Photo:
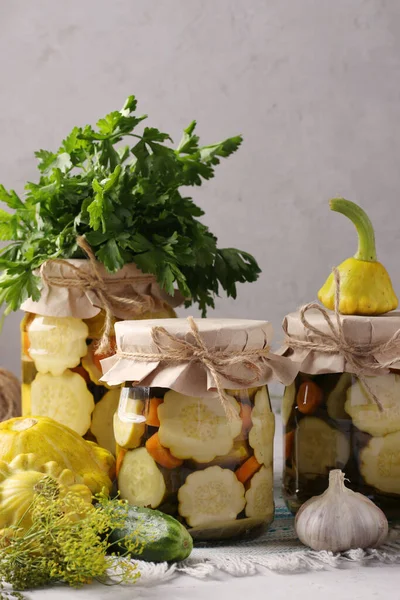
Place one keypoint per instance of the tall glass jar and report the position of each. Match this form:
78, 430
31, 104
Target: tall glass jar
331, 420
60, 367
177, 449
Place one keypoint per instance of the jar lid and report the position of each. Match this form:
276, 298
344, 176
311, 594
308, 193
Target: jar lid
61, 296
363, 335
221, 339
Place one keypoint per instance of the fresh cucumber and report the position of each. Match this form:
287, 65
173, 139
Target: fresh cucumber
159, 537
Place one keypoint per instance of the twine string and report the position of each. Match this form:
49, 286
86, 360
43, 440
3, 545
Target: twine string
10, 395
360, 356
174, 350
93, 280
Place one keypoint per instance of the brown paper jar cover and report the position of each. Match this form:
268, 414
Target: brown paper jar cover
362, 330
192, 377
84, 303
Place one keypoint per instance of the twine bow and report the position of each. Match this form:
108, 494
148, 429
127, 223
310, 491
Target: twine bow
361, 357
93, 281
174, 350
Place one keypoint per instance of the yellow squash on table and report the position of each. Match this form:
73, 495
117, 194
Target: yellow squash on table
49, 441
365, 285
23, 477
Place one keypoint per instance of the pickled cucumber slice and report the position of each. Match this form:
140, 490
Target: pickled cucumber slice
319, 447
57, 343
140, 482
380, 463
337, 398
213, 494
261, 436
288, 399
364, 411
102, 425
260, 495
128, 434
197, 427
64, 398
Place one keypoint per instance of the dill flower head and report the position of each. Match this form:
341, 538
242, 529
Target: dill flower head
66, 542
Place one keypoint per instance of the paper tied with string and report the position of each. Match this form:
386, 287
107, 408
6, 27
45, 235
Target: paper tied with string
84, 301
367, 334
231, 337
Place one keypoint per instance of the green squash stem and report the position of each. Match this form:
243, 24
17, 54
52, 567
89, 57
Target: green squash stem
366, 236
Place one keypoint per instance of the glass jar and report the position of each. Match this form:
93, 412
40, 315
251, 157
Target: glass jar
181, 455
202, 456
331, 422
61, 373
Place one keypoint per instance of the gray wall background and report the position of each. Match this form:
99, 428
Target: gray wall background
313, 85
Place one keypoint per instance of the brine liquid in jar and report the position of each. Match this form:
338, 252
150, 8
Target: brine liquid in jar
331, 422
181, 455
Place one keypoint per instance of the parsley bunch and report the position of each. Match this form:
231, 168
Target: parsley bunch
127, 200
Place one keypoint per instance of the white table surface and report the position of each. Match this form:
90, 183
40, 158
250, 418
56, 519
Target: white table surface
351, 583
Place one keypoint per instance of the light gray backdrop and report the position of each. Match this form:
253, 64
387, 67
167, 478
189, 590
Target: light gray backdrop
313, 85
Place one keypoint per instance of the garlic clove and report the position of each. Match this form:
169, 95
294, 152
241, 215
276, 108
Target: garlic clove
340, 519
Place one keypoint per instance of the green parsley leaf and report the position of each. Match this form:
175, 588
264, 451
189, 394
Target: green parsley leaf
110, 256
123, 191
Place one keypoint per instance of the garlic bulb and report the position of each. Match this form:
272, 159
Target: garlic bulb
340, 519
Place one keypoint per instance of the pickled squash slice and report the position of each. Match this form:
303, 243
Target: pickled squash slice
64, 398
261, 435
319, 447
364, 411
102, 425
238, 454
139, 480
260, 496
197, 428
57, 343
380, 463
129, 434
213, 494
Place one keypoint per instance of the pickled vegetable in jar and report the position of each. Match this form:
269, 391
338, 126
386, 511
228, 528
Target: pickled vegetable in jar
61, 368
180, 447
331, 419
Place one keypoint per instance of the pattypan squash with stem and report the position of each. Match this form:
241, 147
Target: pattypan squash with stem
365, 285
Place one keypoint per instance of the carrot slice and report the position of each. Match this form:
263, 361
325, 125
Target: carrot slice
120, 460
309, 397
289, 441
247, 469
160, 454
98, 357
152, 416
25, 343
245, 415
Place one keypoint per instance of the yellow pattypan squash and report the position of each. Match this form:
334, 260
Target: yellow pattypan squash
365, 285
49, 440
20, 481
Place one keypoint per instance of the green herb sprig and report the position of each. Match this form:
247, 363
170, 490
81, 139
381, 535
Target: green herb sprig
127, 200
67, 543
